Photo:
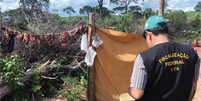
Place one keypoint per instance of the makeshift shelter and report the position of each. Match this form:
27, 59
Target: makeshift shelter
109, 77
113, 64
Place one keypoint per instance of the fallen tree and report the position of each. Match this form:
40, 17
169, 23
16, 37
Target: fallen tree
41, 56
44, 68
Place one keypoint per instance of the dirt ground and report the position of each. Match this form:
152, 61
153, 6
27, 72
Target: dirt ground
197, 96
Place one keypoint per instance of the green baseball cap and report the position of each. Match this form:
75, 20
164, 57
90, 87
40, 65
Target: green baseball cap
153, 22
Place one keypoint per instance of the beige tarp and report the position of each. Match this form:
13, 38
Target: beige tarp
114, 62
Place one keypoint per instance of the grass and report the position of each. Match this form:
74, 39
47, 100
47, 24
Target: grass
74, 90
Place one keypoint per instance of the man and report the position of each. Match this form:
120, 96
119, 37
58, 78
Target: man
168, 71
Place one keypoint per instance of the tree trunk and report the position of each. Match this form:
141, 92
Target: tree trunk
4, 88
100, 2
90, 79
69, 16
100, 7
161, 7
126, 9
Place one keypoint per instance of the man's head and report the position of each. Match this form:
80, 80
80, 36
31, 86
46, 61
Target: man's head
155, 26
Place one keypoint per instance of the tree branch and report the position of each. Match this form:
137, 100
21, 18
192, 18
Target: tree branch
4, 90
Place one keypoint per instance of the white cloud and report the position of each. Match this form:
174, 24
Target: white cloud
185, 9
75, 4
189, 9
8, 5
186, 5
176, 8
178, 1
170, 6
65, 0
108, 5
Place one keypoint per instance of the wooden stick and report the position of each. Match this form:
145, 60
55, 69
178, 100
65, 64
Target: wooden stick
81, 67
190, 32
90, 84
4, 89
49, 77
161, 7
187, 37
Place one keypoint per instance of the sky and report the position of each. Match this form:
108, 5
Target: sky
185, 5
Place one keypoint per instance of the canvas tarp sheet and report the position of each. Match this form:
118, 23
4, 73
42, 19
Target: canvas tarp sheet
114, 62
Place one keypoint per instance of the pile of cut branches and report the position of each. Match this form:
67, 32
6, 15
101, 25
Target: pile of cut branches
44, 56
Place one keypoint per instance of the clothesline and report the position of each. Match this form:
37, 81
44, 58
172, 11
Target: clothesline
50, 37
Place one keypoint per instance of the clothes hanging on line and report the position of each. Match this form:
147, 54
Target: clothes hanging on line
6, 32
11, 42
72, 33
33, 37
79, 31
26, 38
49, 38
63, 39
40, 38
3, 28
19, 35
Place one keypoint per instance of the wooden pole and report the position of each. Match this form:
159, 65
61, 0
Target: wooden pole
91, 96
187, 37
161, 7
92, 22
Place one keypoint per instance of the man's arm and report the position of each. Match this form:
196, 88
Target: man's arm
135, 93
194, 86
195, 78
138, 79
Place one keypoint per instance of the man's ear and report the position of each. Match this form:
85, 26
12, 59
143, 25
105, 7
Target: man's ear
149, 35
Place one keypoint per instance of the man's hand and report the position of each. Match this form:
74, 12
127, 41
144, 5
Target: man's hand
135, 93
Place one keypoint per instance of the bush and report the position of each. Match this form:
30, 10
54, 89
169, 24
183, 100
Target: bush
195, 22
71, 81
177, 22
76, 94
12, 68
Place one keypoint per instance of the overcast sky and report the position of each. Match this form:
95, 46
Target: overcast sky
185, 5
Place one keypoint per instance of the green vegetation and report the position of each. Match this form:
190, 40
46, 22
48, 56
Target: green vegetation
195, 21
198, 6
78, 91
76, 94
12, 69
190, 14
68, 10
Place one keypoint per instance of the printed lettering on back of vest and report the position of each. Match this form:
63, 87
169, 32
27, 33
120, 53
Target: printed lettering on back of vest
175, 62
